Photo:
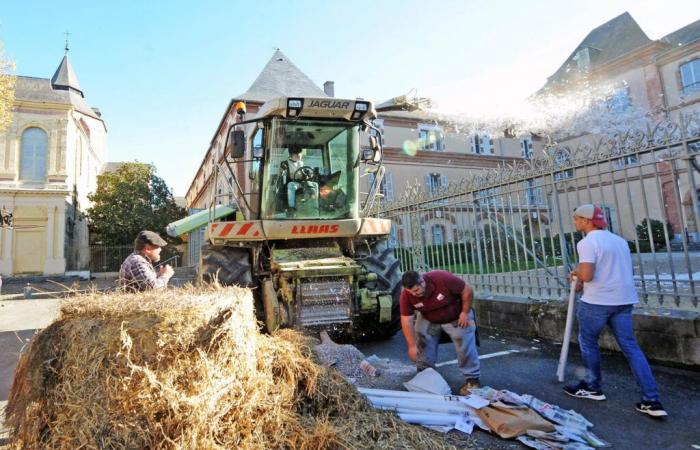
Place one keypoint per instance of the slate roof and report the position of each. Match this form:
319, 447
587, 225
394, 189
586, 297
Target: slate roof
685, 35
65, 78
608, 41
280, 77
63, 88
40, 90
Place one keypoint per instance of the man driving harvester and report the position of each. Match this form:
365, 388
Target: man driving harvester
296, 176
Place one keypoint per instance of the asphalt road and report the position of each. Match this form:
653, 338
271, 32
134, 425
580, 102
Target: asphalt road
532, 370
528, 368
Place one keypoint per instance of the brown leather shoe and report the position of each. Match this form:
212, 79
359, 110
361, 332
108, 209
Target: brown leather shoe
471, 383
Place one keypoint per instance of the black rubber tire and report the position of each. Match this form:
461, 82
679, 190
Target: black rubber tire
381, 260
229, 265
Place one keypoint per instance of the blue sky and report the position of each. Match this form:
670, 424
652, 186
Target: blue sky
162, 73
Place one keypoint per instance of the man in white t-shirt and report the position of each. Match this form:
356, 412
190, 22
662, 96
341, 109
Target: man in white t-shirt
609, 294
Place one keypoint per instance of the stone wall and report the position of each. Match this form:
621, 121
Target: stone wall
666, 336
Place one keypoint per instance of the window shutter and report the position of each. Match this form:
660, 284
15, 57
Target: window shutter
428, 185
389, 187
443, 182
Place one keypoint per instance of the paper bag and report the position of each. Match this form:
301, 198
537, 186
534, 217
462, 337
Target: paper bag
508, 422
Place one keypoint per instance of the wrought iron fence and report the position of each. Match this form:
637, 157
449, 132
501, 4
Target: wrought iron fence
509, 231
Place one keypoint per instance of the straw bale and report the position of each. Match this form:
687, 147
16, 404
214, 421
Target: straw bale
186, 369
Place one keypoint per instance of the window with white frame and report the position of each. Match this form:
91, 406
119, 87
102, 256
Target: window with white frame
526, 148
387, 186
690, 76
435, 182
619, 101
486, 197
438, 234
481, 144
431, 138
630, 160
534, 192
607, 211
563, 159
33, 155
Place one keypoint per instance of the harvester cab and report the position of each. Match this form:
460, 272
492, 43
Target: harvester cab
302, 234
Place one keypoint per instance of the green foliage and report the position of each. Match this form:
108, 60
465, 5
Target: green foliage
644, 246
7, 90
657, 232
129, 200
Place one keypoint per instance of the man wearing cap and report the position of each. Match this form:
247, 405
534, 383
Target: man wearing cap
430, 304
137, 273
609, 294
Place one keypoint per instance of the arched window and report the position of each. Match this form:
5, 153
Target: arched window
33, 156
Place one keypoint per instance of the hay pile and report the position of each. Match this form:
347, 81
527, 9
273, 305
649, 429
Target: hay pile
186, 369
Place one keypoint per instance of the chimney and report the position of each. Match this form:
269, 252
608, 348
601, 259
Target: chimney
329, 88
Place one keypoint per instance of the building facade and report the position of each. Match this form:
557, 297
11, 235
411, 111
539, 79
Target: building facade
50, 156
642, 81
419, 147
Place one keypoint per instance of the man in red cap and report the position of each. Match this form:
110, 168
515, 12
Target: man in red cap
137, 273
609, 294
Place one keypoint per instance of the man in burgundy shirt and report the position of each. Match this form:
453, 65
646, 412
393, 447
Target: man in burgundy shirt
435, 302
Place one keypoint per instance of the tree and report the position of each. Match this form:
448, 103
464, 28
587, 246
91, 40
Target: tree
7, 90
657, 232
129, 200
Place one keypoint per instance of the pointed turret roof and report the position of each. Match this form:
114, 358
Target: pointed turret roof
65, 78
62, 88
280, 77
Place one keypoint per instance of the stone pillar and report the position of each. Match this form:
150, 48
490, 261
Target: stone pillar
6, 260
50, 231
59, 247
54, 264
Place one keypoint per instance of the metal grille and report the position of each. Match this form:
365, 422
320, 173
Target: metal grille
509, 232
325, 302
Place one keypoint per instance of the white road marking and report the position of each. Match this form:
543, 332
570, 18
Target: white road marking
487, 356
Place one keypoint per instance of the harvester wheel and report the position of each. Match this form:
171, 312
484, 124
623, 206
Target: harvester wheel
381, 260
229, 265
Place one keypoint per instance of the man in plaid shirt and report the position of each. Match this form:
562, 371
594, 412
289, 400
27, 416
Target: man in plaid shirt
137, 273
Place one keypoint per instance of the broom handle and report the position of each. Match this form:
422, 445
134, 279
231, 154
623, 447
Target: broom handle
567, 330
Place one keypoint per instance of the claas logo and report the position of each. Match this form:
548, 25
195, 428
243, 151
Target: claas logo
315, 229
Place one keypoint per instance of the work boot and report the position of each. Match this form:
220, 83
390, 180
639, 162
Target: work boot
470, 383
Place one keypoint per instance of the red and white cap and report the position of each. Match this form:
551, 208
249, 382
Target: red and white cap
593, 213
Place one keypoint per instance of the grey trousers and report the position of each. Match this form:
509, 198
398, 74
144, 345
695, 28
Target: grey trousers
428, 338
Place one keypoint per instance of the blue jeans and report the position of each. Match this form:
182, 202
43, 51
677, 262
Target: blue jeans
591, 321
428, 338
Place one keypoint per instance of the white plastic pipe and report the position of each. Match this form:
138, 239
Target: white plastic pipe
449, 407
567, 330
404, 394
